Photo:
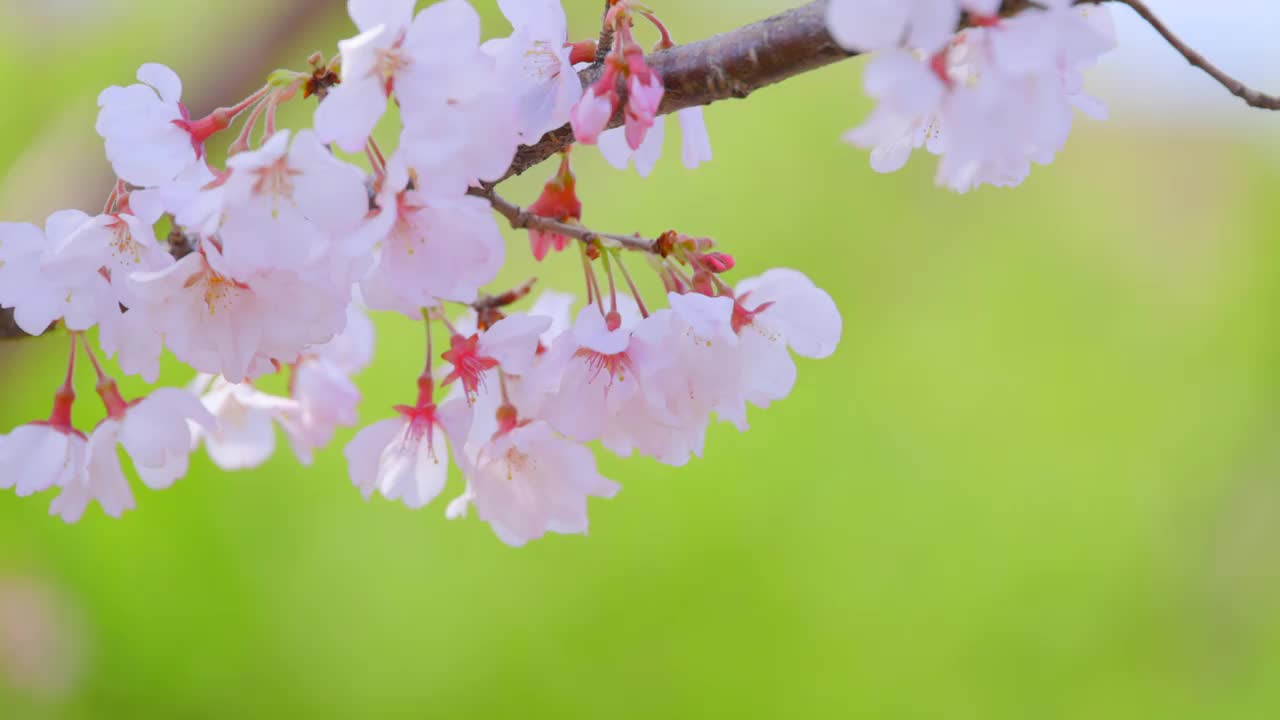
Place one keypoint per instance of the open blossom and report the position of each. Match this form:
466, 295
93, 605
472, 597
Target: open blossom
156, 435
428, 247
37, 298
372, 63
995, 100
535, 59
528, 481
40, 456
149, 138
100, 479
404, 459
323, 395
280, 207
235, 326
243, 436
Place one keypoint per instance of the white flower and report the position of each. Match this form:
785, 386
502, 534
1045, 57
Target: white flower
235, 326
143, 125
39, 456
780, 309
244, 435
156, 435
530, 481
535, 59
909, 95
99, 480
36, 298
405, 459
372, 62
429, 248
282, 206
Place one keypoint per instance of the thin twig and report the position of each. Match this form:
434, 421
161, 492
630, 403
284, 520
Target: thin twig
522, 219
1252, 97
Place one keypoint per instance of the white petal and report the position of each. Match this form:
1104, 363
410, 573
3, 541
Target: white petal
165, 81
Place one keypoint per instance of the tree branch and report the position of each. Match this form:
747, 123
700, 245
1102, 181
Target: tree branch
1251, 97
731, 65
522, 219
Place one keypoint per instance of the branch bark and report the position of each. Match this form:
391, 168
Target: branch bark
731, 65
522, 219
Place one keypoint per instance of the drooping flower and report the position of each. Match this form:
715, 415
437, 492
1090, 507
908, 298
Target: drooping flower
528, 481
156, 434
404, 459
558, 201
244, 435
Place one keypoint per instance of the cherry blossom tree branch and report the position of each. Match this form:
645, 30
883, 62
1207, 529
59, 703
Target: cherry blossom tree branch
522, 219
739, 62
1251, 97
730, 65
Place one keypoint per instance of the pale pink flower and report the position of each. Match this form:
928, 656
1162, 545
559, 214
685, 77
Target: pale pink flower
405, 459
36, 298
148, 136
535, 60
231, 326
244, 435
281, 207
100, 479
155, 432
372, 63
40, 456
529, 481
429, 248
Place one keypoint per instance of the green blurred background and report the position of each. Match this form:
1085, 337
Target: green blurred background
1038, 480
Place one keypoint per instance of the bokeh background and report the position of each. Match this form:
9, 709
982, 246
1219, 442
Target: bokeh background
1040, 479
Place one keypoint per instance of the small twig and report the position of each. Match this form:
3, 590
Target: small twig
1252, 97
522, 219
606, 35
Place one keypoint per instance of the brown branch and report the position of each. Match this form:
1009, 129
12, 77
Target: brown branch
731, 65
1251, 97
522, 219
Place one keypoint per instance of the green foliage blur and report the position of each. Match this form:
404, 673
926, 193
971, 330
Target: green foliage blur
1040, 479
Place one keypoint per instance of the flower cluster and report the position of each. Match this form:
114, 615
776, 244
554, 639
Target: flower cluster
268, 263
990, 99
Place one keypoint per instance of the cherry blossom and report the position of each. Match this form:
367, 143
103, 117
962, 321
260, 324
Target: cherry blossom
536, 60
244, 435
282, 206
153, 431
100, 480
40, 456
529, 481
372, 62
404, 459
149, 137
37, 299
428, 247
222, 324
